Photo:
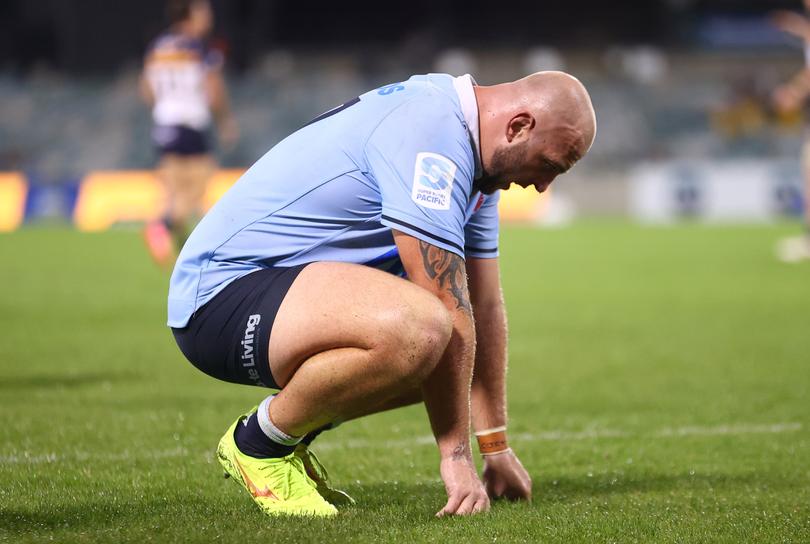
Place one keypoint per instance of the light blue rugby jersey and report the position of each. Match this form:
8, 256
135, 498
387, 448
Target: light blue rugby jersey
399, 157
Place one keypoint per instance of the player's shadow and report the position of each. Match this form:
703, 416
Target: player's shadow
546, 490
90, 514
396, 495
389, 502
63, 381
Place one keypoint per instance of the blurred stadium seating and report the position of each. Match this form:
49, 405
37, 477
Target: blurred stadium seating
698, 94
62, 127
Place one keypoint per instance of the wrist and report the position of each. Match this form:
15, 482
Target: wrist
456, 450
492, 441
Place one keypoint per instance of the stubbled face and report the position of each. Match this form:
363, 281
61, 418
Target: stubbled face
496, 175
535, 160
201, 18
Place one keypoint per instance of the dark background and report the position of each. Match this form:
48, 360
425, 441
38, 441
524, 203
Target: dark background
95, 36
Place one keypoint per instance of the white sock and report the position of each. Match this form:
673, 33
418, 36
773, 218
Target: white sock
269, 429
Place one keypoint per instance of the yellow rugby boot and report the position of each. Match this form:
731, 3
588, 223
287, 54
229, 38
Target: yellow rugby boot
317, 473
280, 486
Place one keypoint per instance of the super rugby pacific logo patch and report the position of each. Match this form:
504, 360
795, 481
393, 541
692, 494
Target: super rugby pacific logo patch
433, 181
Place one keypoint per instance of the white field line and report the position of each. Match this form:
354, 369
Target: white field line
591, 434
31, 458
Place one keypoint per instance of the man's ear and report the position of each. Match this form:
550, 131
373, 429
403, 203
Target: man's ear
519, 126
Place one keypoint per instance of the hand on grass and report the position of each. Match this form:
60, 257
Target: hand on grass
505, 477
465, 492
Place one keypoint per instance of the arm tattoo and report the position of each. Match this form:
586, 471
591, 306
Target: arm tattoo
448, 270
459, 452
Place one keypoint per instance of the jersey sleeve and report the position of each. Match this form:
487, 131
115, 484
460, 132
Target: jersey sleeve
212, 58
421, 159
481, 232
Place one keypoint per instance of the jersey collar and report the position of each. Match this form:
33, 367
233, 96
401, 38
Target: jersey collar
469, 109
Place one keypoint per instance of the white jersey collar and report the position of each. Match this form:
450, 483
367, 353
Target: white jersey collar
469, 109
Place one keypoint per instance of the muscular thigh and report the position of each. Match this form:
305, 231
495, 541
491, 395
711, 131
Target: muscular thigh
335, 305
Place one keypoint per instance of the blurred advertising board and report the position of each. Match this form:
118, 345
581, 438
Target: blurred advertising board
13, 190
109, 197
105, 198
744, 190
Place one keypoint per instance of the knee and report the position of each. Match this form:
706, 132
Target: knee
436, 325
429, 328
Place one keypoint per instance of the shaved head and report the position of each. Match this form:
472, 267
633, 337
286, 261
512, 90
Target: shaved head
533, 129
562, 101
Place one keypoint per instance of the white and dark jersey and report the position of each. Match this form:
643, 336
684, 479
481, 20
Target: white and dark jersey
176, 68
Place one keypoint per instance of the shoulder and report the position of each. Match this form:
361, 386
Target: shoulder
434, 93
166, 40
428, 94
420, 107
420, 121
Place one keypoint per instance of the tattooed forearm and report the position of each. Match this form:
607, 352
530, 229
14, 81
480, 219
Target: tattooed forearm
460, 451
448, 270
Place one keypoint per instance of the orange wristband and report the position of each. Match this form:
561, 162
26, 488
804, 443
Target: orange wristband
492, 441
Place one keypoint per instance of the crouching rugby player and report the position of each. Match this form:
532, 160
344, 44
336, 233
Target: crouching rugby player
296, 279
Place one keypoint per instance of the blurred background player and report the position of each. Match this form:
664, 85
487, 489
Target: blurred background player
788, 98
182, 82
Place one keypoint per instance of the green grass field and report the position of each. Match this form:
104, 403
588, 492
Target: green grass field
659, 392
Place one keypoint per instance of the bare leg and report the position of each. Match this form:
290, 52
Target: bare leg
186, 179
797, 248
806, 176
349, 340
407, 399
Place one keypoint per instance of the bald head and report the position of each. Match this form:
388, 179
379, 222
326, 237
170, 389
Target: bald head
533, 129
561, 100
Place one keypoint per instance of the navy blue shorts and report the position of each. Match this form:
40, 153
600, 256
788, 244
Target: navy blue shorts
180, 140
227, 338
